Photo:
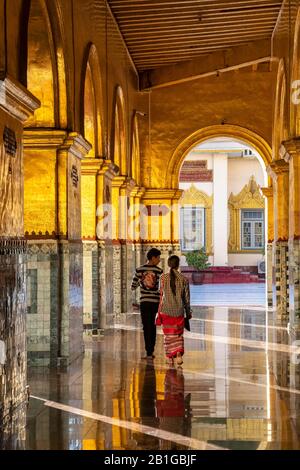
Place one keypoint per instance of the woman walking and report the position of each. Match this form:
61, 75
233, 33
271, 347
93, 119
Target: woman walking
174, 305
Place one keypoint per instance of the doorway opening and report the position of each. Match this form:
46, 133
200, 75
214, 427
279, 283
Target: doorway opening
223, 223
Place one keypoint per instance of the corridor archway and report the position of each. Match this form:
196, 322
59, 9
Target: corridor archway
223, 209
227, 130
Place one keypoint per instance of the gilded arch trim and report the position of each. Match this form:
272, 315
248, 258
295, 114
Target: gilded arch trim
249, 197
92, 71
119, 149
226, 130
135, 152
280, 131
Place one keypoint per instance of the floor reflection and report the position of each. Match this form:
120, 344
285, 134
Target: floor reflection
229, 393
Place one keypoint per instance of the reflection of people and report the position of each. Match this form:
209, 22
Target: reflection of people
147, 406
174, 411
147, 278
148, 393
174, 304
173, 403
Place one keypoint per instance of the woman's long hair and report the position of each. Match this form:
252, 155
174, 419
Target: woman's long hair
173, 263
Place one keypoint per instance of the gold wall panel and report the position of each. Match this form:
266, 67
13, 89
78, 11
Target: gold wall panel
196, 105
40, 78
90, 128
88, 206
40, 199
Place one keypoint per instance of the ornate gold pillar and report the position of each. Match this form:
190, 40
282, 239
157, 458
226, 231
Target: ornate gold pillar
269, 194
127, 245
105, 177
290, 151
135, 225
122, 187
52, 168
279, 171
70, 155
91, 285
16, 106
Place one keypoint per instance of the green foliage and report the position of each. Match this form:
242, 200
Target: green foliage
198, 259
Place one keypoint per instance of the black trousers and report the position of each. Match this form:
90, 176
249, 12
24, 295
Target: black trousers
148, 313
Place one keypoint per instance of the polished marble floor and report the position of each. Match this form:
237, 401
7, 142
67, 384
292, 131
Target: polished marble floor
238, 389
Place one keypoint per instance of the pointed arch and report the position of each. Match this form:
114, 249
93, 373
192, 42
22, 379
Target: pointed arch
226, 130
135, 152
92, 102
119, 133
42, 63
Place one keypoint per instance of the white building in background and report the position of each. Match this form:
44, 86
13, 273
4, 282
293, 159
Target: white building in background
222, 207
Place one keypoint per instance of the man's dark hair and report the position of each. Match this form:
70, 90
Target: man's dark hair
153, 253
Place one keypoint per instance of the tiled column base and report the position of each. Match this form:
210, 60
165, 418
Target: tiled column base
269, 275
294, 286
280, 256
54, 302
91, 310
117, 279
127, 266
42, 302
71, 296
12, 343
106, 280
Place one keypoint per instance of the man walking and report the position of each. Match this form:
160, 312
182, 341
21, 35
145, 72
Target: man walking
147, 278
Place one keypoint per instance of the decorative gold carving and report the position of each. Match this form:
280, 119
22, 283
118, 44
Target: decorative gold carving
194, 197
249, 198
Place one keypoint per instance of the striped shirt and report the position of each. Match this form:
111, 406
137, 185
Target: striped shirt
147, 278
175, 305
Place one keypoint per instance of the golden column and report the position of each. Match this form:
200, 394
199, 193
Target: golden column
70, 154
268, 192
290, 150
127, 246
105, 176
16, 106
279, 171
89, 197
70, 271
134, 233
122, 186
